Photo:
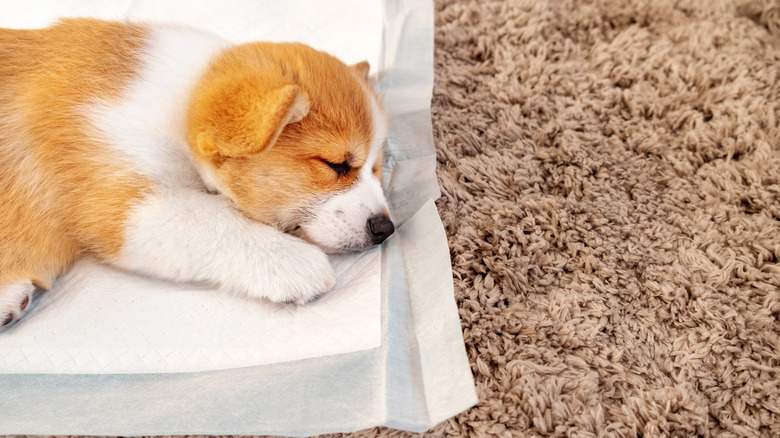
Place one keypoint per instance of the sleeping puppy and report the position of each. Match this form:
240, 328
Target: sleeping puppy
168, 152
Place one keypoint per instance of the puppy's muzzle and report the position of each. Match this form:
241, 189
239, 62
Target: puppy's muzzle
380, 228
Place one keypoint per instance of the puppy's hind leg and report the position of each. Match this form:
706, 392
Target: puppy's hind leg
15, 299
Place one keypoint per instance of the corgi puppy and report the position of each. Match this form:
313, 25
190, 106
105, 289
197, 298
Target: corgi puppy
168, 152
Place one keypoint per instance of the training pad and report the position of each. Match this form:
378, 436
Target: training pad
107, 353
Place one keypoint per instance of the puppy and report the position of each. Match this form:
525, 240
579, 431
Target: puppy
168, 152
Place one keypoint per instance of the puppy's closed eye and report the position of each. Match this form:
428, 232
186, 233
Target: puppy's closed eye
341, 169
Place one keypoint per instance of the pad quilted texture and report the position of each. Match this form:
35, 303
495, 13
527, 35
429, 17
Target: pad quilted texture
93, 322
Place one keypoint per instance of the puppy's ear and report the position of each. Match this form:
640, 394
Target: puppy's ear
246, 119
362, 68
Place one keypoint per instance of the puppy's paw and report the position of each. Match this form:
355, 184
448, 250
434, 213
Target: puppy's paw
299, 272
15, 299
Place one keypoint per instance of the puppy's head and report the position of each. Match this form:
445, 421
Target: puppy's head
294, 138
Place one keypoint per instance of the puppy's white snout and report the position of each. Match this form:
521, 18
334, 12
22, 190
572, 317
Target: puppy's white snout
380, 228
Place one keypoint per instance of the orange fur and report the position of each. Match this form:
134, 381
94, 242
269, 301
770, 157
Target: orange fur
269, 121
62, 195
294, 169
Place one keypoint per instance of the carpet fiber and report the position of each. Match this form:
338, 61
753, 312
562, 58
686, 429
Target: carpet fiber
611, 192
611, 180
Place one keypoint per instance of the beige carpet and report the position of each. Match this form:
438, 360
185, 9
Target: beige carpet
611, 180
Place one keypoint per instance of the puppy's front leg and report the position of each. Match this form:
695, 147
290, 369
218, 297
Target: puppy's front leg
193, 236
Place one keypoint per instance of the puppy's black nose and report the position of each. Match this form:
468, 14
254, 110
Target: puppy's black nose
381, 227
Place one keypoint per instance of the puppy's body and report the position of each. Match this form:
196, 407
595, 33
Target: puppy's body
168, 152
